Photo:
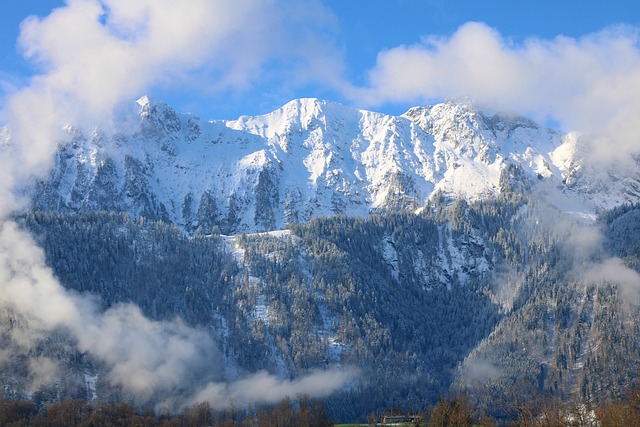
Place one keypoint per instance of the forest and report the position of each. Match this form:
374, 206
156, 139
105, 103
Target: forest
482, 300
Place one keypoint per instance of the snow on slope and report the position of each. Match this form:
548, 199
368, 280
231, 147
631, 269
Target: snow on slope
311, 158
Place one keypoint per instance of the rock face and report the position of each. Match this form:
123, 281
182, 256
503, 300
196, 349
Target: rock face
312, 158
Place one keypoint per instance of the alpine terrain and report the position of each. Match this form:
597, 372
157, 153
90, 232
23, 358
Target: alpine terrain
452, 249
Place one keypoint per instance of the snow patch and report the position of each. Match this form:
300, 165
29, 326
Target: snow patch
261, 310
390, 255
90, 384
232, 246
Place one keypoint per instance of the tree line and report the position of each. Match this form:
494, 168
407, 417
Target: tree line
455, 411
78, 413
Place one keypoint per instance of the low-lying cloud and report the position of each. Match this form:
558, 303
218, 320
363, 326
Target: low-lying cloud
93, 55
613, 271
158, 361
263, 388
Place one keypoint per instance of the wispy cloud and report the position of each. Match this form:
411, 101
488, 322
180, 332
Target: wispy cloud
613, 271
263, 388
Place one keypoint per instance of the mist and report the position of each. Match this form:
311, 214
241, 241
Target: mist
92, 56
582, 246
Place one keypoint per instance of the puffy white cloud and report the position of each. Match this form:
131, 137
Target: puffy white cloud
100, 52
94, 54
589, 84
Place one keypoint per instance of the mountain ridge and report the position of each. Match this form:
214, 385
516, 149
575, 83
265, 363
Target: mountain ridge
309, 158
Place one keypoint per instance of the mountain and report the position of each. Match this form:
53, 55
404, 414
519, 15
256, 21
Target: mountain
441, 251
313, 158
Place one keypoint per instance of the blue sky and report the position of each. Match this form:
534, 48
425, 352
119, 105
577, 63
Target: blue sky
349, 34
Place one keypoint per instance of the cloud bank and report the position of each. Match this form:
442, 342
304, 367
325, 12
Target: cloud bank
590, 84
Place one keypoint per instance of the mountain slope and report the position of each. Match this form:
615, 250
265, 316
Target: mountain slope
370, 294
481, 296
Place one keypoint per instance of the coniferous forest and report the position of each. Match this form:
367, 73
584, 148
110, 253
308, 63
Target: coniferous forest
489, 300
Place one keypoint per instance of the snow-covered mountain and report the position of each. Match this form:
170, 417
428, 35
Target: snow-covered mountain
313, 158
482, 286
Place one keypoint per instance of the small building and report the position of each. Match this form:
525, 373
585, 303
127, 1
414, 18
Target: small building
393, 417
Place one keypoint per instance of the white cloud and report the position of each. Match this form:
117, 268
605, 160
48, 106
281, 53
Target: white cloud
590, 84
151, 360
264, 388
614, 271
480, 370
93, 55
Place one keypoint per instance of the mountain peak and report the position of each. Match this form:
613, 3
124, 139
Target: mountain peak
150, 105
306, 102
313, 107
148, 101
